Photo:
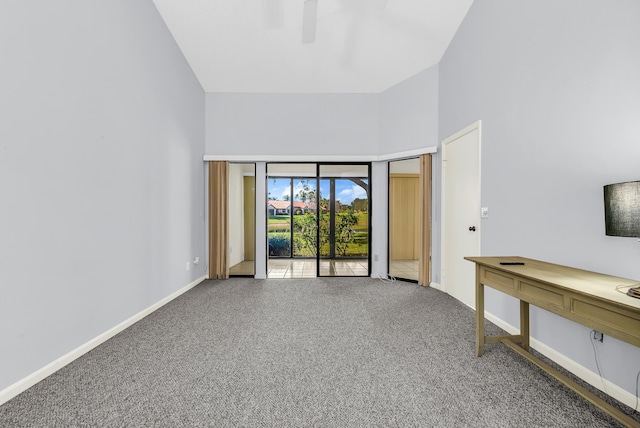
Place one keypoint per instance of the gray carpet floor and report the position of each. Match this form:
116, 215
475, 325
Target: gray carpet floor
340, 352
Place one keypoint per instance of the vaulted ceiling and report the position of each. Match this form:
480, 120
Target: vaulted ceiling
361, 46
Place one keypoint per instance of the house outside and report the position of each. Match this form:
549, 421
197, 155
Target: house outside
284, 207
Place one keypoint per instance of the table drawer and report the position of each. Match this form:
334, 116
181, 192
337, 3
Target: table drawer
617, 322
498, 280
541, 294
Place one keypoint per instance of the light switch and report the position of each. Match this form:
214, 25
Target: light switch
484, 212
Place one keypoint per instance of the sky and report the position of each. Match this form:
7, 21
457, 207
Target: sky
346, 190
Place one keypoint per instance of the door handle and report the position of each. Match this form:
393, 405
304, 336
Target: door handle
472, 228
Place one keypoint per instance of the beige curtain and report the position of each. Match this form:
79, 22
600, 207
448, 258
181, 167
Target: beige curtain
424, 258
218, 219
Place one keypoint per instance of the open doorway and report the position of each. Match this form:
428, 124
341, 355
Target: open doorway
404, 219
242, 178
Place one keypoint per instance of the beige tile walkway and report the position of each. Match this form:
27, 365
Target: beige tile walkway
405, 269
246, 267
306, 268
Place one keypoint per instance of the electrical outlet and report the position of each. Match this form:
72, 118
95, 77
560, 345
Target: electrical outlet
196, 260
598, 336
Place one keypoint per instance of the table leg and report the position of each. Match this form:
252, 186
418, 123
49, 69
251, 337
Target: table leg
524, 324
479, 313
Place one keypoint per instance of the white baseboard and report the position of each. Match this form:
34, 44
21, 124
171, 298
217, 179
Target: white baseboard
23, 384
579, 370
437, 286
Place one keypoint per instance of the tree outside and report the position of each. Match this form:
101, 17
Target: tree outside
351, 232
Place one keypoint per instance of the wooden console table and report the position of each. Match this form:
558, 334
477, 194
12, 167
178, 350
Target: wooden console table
585, 297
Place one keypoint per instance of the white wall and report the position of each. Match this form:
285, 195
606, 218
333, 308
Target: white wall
556, 87
101, 173
379, 219
261, 219
409, 114
292, 124
402, 118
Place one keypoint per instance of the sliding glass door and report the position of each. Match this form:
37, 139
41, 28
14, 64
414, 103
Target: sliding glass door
292, 231
343, 221
318, 220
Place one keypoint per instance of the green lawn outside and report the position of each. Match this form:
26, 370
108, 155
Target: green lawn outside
279, 230
279, 224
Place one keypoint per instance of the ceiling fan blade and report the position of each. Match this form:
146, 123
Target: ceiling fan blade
309, 20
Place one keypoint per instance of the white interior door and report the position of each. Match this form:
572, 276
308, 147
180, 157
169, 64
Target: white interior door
461, 212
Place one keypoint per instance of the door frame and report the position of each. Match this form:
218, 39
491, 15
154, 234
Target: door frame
390, 175
443, 215
318, 179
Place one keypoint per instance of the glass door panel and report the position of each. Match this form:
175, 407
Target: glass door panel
279, 217
292, 222
344, 220
324, 232
305, 222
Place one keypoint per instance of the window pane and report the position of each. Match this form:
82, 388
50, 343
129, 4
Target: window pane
304, 218
279, 219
